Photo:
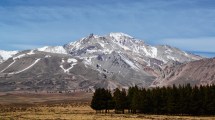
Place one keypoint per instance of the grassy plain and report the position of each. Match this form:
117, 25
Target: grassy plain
66, 107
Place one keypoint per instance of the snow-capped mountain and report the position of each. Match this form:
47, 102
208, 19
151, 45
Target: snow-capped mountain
110, 61
4, 55
120, 42
125, 44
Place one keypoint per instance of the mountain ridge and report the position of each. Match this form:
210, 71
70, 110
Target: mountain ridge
110, 61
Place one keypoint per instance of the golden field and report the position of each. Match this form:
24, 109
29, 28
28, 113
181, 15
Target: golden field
60, 107
75, 111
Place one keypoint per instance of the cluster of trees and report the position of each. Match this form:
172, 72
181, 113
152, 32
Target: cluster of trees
181, 100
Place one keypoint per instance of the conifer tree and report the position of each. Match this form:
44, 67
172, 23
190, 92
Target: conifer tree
120, 100
131, 92
97, 102
102, 100
181, 100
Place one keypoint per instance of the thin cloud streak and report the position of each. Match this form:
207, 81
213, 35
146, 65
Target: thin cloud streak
204, 54
190, 44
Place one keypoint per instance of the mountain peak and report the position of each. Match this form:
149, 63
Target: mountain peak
93, 36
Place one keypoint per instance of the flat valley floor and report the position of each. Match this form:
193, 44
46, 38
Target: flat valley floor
73, 106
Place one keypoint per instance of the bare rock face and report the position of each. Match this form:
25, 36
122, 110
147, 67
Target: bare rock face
111, 61
201, 72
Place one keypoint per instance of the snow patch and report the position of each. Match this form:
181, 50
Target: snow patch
23, 55
43, 48
119, 35
72, 60
31, 52
35, 62
130, 63
185, 54
8, 66
92, 51
55, 49
171, 58
102, 45
146, 52
77, 45
7, 54
96, 36
62, 60
136, 49
47, 56
88, 60
19, 56
168, 51
68, 69
107, 51
154, 52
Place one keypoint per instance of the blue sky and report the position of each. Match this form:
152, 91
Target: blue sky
185, 24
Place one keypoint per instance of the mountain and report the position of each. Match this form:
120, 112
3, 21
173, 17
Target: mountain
110, 61
200, 72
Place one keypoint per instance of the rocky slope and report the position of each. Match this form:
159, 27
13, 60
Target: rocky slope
114, 60
201, 72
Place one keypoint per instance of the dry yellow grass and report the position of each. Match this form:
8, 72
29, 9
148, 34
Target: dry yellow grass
76, 111
74, 106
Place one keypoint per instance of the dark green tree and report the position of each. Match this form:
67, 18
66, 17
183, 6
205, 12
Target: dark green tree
97, 101
180, 100
102, 100
108, 101
120, 100
131, 92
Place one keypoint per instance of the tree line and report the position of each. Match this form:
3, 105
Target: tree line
181, 100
